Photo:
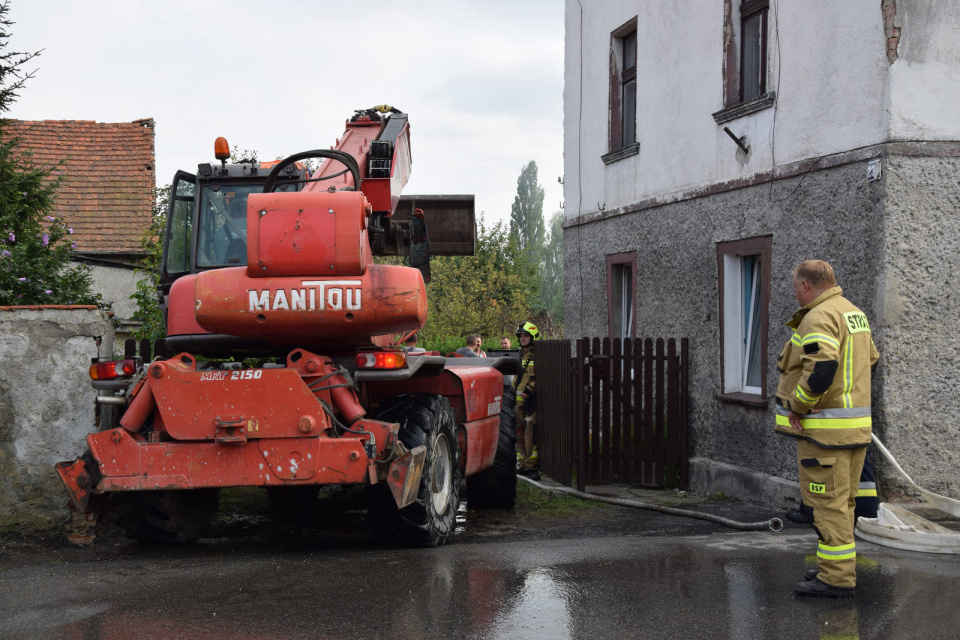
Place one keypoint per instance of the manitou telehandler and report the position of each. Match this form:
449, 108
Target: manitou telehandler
268, 263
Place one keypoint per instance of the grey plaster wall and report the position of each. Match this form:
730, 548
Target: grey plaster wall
116, 285
46, 407
920, 309
834, 215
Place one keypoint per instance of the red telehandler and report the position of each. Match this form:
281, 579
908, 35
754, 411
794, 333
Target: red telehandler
268, 262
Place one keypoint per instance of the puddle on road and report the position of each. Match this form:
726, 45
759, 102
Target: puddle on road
542, 609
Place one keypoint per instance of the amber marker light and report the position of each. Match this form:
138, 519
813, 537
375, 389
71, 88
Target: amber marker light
381, 360
221, 149
113, 369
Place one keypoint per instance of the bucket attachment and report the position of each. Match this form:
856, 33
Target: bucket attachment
404, 474
78, 482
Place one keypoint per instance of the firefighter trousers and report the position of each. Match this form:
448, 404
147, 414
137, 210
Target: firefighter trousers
527, 454
828, 481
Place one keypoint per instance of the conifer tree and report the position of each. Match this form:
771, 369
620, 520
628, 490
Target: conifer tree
35, 245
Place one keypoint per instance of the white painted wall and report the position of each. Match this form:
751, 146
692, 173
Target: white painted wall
925, 80
828, 66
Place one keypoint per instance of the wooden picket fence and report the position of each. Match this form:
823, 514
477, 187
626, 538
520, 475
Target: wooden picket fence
617, 412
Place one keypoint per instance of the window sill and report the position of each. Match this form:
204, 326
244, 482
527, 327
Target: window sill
765, 101
748, 399
620, 154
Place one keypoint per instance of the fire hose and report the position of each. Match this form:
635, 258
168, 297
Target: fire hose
773, 524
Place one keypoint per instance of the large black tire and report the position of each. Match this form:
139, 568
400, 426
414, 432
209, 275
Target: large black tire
424, 419
496, 487
167, 517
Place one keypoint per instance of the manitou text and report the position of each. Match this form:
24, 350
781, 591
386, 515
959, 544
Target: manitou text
315, 295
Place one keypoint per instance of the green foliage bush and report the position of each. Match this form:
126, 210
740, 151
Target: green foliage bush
148, 312
35, 246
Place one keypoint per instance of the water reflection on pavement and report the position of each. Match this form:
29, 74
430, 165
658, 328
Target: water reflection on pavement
727, 585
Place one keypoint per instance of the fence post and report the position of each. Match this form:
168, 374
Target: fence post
673, 421
659, 417
581, 423
626, 442
684, 399
649, 427
616, 402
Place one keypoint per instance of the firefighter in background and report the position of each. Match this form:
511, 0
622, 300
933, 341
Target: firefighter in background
524, 385
823, 400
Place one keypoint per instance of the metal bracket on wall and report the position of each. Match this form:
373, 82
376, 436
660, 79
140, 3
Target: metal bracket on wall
741, 141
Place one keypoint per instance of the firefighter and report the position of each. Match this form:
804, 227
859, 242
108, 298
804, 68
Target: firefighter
823, 400
524, 385
867, 499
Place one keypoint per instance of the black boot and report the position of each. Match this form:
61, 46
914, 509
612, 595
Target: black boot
816, 589
811, 574
803, 515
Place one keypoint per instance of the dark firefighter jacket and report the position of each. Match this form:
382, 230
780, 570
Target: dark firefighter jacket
826, 365
526, 382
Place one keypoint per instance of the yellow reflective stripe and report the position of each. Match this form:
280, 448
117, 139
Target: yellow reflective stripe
866, 493
828, 423
804, 397
795, 338
848, 374
842, 552
820, 337
842, 547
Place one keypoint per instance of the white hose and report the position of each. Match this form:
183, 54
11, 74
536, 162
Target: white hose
945, 504
773, 524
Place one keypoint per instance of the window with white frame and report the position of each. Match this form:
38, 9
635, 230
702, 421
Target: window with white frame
620, 294
745, 293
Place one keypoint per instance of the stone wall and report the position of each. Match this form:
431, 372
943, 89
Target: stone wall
46, 405
921, 310
893, 243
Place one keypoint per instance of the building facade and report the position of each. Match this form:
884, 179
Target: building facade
107, 172
709, 146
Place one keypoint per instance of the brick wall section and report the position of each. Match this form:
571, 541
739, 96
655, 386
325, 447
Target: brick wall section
889, 8
108, 173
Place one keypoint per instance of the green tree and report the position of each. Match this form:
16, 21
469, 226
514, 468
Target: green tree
487, 293
35, 246
148, 312
551, 292
526, 215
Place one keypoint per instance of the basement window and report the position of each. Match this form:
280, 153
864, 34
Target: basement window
744, 274
621, 304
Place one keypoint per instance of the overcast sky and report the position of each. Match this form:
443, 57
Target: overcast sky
482, 80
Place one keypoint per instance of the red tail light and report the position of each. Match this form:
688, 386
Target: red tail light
381, 360
113, 369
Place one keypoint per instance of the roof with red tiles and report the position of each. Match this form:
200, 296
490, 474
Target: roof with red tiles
108, 177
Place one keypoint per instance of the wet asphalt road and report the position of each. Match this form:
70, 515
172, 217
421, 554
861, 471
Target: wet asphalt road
684, 579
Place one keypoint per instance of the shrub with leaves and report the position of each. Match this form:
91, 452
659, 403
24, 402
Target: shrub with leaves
148, 312
35, 246
488, 293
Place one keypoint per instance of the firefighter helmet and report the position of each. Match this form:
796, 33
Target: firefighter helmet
530, 329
